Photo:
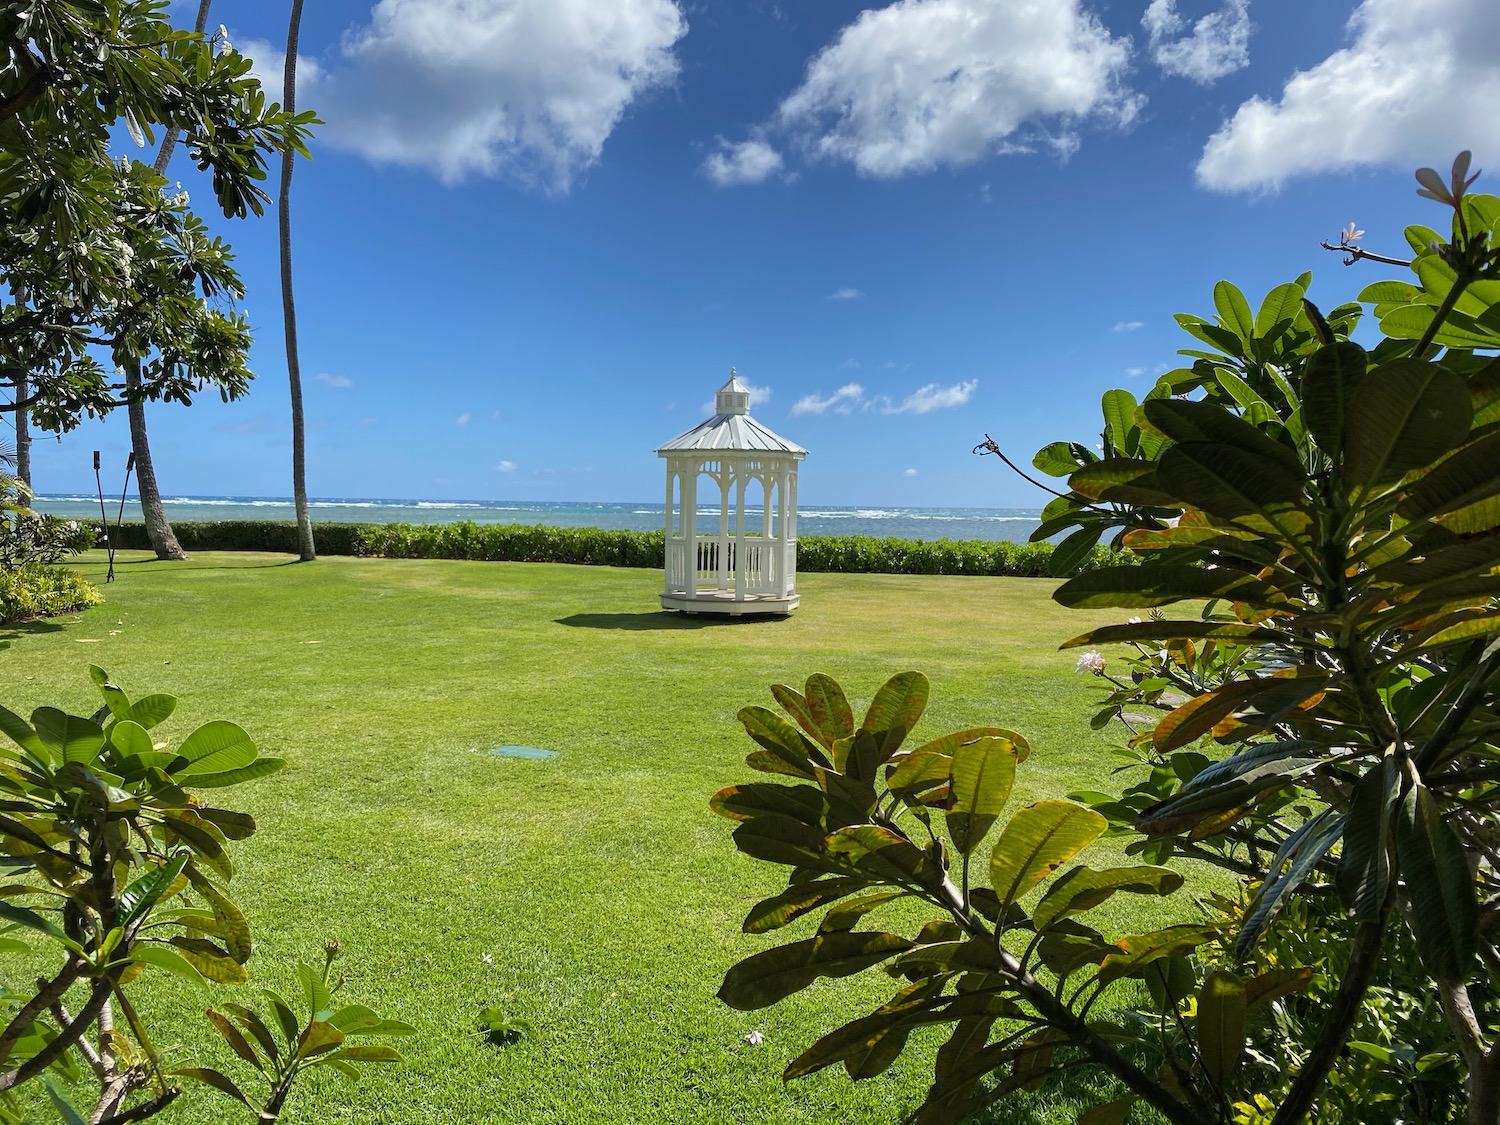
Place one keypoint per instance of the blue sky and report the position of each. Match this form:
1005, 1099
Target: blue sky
536, 234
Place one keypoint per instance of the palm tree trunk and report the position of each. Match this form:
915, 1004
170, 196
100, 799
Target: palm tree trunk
288, 305
23, 431
158, 530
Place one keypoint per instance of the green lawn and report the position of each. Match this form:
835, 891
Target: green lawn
606, 895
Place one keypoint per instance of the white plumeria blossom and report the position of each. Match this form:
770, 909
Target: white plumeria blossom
755, 1038
1091, 662
1351, 234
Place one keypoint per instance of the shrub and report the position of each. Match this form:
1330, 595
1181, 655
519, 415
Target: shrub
592, 546
1320, 722
34, 590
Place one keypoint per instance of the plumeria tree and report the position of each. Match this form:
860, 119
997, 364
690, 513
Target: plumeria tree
1310, 691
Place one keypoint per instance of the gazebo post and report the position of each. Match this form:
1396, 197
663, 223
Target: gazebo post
764, 569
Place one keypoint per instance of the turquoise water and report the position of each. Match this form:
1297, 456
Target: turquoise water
1014, 524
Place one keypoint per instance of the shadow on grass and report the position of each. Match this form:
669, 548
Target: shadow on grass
190, 564
660, 619
16, 630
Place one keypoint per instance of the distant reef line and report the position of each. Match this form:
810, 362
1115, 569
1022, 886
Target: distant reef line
591, 546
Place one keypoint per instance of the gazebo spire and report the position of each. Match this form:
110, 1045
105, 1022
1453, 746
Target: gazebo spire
733, 397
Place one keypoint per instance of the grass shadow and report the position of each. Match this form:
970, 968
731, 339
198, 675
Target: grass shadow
19, 629
660, 619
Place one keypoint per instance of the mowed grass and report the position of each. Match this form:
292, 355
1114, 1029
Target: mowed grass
593, 894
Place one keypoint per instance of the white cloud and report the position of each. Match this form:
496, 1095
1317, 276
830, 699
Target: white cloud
842, 401
506, 467
369, 422
462, 419
526, 90
337, 382
1127, 325
1419, 83
933, 397
922, 84
1135, 372
748, 162
1219, 43
850, 364
909, 473
844, 294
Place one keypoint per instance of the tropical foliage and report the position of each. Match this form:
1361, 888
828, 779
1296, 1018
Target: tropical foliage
1324, 727
118, 872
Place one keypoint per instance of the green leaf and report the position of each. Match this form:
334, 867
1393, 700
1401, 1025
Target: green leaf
1154, 584
897, 705
1274, 984
1186, 421
1328, 383
137, 899
1472, 474
981, 776
1141, 631
1131, 955
68, 738
1038, 840
213, 1078
237, 1042
1280, 307
1365, 871
169, 959
19, 731
22, 916
315, 992
1083, 888
1404, 414
318, 1038
1221, 1025
152, 710
1298, 856
774, 974
804, 803
777, 735
1059, 459
1228, 482
829, 706
214, 747
1119, 419
367, 1053
213, 962
132, 740
1234, 311
1073, 551
799, 899
1434, 865
261, 767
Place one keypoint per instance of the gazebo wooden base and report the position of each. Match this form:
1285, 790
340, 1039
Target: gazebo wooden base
724, 602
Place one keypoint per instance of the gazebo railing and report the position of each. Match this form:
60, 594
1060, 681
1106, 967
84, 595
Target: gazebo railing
696, 569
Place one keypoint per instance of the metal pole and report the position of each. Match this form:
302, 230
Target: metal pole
109, 543
120, 515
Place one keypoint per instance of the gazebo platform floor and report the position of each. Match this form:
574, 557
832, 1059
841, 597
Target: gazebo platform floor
724, 602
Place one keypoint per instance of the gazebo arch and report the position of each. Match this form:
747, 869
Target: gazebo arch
744, 560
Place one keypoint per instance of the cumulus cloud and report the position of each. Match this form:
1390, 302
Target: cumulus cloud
909, 473
932, 397
842, 401
748, 162
1135, 372
506, 467
1128, 325
526, 90
1419, 82
922, 84
337, 382
463, 419
1218, 45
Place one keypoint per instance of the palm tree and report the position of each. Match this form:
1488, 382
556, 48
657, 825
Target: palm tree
157, 528
23, 431
288, 305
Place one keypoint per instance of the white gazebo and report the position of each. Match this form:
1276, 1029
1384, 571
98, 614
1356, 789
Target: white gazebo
734, 566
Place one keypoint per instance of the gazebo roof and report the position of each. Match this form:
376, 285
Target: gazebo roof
731, 429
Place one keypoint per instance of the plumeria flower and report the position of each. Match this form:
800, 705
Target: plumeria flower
755, 1038
1351, 235
1133, 621
1092, 662
487, 958
1451, 192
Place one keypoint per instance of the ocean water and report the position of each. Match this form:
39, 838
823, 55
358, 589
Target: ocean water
1014, 524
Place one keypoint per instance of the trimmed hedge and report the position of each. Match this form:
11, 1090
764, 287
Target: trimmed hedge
592, 546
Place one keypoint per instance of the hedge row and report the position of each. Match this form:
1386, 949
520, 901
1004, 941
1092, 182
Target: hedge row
594, 546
